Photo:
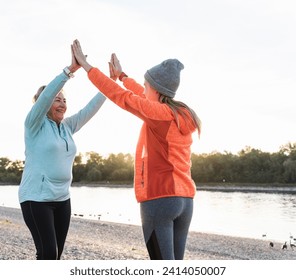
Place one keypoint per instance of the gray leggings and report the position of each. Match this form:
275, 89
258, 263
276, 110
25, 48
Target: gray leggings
165, 223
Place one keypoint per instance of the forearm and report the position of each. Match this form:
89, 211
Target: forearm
86, 66
108, 87
132, 85
78, 120
41, 107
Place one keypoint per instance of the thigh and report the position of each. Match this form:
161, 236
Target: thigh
39, 218
158, 226
156, 214
62, 216
182, 222
181, 227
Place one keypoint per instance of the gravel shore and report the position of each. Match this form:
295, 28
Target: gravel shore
98, 240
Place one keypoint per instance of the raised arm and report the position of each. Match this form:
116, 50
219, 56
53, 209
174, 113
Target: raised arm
117, 72
44, 100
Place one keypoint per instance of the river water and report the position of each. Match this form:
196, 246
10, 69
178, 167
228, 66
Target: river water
268, 216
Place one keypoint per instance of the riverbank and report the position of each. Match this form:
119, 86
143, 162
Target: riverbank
243, 187
277, 188
98, 240
223, 187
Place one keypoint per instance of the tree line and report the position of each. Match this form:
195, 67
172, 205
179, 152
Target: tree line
247, 166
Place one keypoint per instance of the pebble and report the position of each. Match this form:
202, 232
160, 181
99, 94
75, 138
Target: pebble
99, 240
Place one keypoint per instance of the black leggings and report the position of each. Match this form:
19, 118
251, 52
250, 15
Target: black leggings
165, 223
48, 223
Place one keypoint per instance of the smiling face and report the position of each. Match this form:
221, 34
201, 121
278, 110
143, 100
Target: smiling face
58, 108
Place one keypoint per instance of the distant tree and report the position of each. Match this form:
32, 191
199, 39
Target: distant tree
94, 174
289, 171
11, 171
78, 169
199, 168
94, 166
289, 149
276, 172
4, 163
118, 164
247, 166
121, 174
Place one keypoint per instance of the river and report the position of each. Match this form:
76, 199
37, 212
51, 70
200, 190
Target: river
270, 216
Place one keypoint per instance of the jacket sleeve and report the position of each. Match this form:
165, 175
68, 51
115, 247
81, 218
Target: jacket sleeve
132, 85
36, 115
77, 121
128, 100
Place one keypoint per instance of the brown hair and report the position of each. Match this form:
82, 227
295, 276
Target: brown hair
177, 108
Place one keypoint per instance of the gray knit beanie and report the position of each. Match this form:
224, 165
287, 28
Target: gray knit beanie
165, 77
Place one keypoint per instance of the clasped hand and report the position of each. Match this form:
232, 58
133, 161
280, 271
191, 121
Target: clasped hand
115, 68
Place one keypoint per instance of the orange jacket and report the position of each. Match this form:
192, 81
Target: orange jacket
162, 160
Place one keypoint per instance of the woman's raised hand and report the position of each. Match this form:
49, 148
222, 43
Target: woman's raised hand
115, 65
112, 72
74, 63
80, 56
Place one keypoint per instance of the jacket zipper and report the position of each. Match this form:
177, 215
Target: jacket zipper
67, 145
142, 174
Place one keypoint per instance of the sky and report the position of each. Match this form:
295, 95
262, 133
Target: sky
239, 58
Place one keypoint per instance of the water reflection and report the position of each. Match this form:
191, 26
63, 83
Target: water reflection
247, 214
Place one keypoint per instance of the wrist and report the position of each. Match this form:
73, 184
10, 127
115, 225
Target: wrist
68, 71
122, 76
86, 67
73, 68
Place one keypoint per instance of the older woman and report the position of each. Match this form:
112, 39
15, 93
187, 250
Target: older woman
50, 151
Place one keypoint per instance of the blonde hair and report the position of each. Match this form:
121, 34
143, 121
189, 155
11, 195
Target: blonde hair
37, 94
178, 108
39, 91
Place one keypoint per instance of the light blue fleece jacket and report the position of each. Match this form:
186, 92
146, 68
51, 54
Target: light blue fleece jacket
50, 149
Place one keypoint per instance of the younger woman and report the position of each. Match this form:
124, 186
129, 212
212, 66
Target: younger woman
163, 184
